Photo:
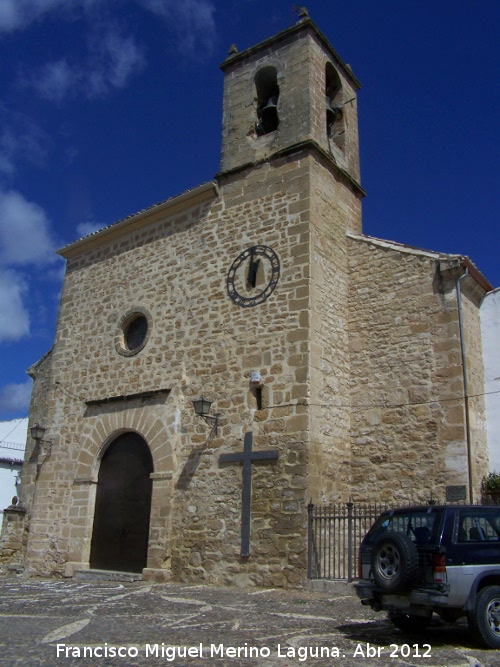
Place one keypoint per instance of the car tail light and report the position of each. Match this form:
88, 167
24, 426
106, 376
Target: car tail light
360, 567
439, 569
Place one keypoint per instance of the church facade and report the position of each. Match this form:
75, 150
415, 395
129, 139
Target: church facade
334, 361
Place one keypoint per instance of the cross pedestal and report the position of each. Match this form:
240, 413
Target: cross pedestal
247, 456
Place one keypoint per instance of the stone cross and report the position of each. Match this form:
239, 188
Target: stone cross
247, 456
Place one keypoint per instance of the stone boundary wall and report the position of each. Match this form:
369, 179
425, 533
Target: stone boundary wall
13, 540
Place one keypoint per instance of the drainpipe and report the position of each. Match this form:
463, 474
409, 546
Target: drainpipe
468, 439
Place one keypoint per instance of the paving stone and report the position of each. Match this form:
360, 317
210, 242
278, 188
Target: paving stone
148, 622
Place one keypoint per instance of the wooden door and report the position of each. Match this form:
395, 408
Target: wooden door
123, 506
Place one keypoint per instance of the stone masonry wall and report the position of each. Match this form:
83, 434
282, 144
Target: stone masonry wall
471, 300
408, 433
35, 455
200, 342
15, 530
335, 207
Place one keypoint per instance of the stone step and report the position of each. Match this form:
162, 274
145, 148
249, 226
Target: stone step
106, 575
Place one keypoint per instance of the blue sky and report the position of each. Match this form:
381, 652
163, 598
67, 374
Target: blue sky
110, 106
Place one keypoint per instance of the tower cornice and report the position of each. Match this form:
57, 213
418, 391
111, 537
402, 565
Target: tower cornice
305, 25
306, 145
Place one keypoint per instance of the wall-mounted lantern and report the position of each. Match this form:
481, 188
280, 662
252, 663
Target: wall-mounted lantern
202, 409
37, 432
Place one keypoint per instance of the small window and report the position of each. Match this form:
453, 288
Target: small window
136, 333
258, 397
133, 332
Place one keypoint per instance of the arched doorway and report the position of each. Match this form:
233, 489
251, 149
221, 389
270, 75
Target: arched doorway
123, 505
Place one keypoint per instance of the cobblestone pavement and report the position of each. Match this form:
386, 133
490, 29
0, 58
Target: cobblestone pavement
52, 622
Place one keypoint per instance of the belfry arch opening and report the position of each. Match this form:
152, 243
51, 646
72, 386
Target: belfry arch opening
267, 94
335, 129
123, 506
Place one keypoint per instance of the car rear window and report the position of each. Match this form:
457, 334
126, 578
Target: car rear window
479, 526
420, 526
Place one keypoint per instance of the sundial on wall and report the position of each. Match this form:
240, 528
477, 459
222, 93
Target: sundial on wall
253, 276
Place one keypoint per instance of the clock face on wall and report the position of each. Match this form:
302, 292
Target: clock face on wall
253, 276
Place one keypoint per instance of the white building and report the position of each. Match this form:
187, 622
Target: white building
12, 446
490, 326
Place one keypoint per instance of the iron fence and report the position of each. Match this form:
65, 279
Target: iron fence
334, 536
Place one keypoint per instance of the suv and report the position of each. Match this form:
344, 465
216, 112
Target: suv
438, 558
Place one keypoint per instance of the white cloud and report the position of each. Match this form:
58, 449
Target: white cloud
21, 139
15, 398
15, 321
55, 80
86, 228
16, 14
115, 58
124, 56
7, 166
25, 240
192, 20
19, 14
24, 232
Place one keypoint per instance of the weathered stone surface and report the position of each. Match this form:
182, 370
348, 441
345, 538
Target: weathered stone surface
407, 377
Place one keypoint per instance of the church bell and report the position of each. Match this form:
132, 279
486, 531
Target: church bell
269, 114
332, 114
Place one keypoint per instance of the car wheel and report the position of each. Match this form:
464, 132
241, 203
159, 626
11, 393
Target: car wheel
394, 562
486, 616
409, 623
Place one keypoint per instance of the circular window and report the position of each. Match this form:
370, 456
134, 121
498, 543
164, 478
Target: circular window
133, 332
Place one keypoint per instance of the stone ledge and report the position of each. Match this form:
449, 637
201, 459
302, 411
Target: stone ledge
333, 586
70, 567
106, 575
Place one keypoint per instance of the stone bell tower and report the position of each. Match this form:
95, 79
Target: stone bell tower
290, 125
286, 92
